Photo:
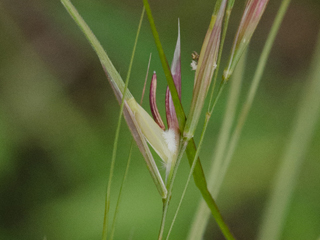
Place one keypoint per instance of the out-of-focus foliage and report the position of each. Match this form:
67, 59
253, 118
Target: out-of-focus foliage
58, 116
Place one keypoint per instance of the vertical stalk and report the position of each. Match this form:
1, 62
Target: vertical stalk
113, 227
287, 175
223, 37
183, 146
203, 213
191, 171
115, 146
114, 221
214, 209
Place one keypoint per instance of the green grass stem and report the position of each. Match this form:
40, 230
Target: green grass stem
214, 209
114, 221
287, 175
223, 37
202, 214
183, 146
116, 139
128, 161
145, 80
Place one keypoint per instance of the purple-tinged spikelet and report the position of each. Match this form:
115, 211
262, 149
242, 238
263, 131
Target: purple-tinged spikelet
249, 21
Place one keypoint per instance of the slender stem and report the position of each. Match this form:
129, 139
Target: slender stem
202, 214
215, 211
145, 80
129, 160
116, 139
287, 175
224, 33
183, 146
218, 217
190, 173
221, 87
113, 227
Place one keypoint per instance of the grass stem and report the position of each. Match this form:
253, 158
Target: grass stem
116, 139
183, 146
203, 213
113, 227
214, 209
224, 33
294, 154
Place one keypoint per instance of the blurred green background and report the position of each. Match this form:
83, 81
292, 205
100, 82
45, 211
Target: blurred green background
58, 117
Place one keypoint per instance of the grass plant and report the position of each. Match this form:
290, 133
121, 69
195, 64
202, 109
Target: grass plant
148, 132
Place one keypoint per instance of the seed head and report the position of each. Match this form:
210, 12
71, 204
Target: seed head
207, 63
250, 19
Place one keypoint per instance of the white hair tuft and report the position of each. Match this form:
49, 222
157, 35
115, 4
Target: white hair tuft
170, 138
